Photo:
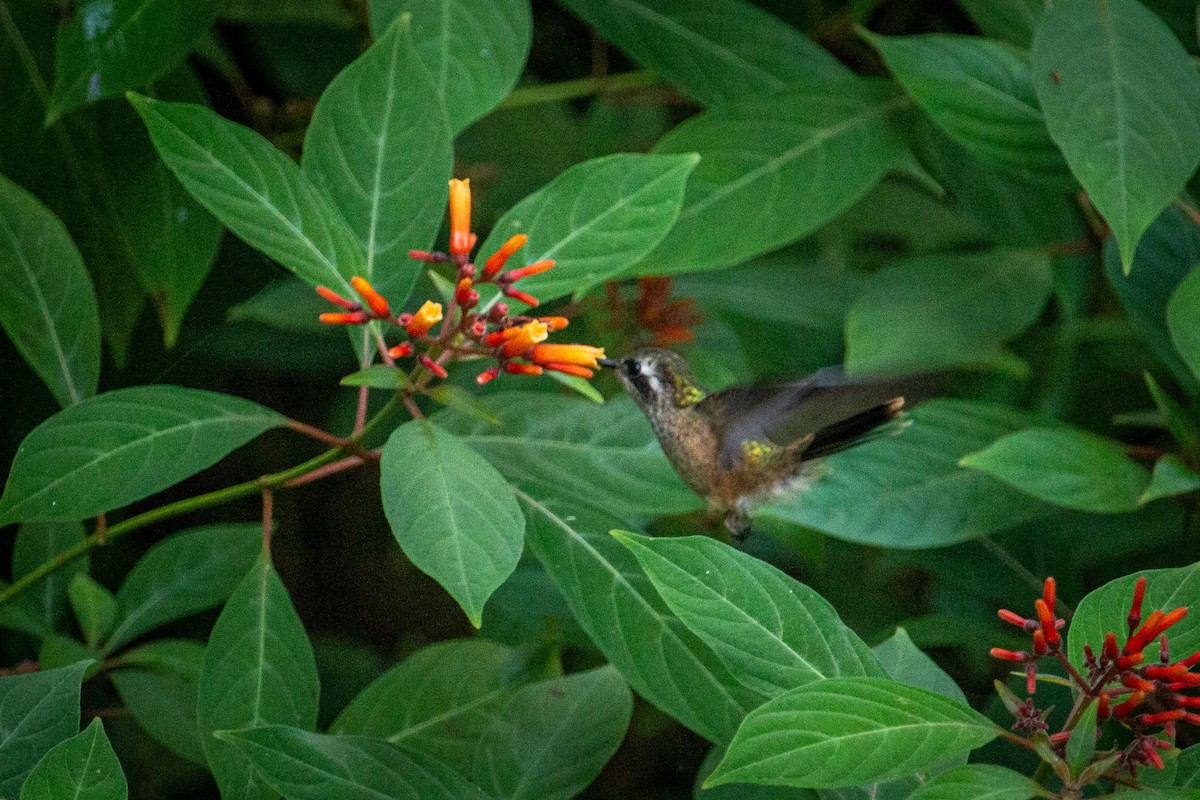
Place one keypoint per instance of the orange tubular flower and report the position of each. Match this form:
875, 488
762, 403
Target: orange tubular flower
582, 355
402, 350
524, 297
526, 337
374, 300
513, 368
426, 317
571, 369
460, 217
536, 268
555, 323
496, 260
337, 299
338, 318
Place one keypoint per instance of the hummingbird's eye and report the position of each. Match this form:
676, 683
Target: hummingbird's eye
633, 368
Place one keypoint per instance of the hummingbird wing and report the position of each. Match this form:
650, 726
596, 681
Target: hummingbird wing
838, 411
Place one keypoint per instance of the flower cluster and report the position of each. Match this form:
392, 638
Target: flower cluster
517, 342
1147, 698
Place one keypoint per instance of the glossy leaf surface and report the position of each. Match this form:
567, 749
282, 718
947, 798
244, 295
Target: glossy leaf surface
1067, 467
258, 670
84, 767
979, 782
37, 711
452, 513
595, 220
773, 632
47, 306
377, 152
124, 445
1122, 100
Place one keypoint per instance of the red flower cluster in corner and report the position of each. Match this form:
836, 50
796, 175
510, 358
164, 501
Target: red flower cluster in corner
517, 341
1147, 698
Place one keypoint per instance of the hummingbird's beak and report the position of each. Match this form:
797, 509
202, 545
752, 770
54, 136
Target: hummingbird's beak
608, 362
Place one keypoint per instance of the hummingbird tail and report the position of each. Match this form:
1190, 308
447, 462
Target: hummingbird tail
855, 430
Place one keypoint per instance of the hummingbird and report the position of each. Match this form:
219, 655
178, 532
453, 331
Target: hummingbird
748, 444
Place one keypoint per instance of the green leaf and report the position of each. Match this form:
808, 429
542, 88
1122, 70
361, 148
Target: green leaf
378, 376
157, 684
773, 169
257, 191
772, 632
258, 670
109, 46
83, 767
121, 446
1183, 320
440, 700
1165, 257
595, 220
314, 766
618, 608
59, 650
1011, 20
1171, 478
456, 397
37, 711
979, 92
929, 501
974, 302
714, 51
183, 574
1081, 746
47, 306
1122, 100
1066, 467
1105, 609
903, 661
847, 732
377, 152
94, 607
451, 512
553, 737
42, 610
566, 447
979, 782
474, 51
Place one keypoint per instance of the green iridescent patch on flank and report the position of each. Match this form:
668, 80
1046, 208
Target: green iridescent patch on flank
686, 393
755, 452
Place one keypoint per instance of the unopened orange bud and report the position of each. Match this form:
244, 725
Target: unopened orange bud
1110, 651
460, 217
338, 318
1128, 662
1039, 642
1135, 607
426, 256
1103, 711
582, 355
463, 292
1134, 700
374, 300
513, 368
1008, 655
524, 297
428, 315
1161, 717
496, 260
488, 375
402, 350
536, 268
432, 366
556, 323
337, 299
571, 369
1013, 618
1049, 592
526, 337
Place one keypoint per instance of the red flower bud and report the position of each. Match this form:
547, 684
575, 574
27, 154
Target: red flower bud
489, 374
337, 299
402, 350
374, 300
496, 260
337, 318
432, 366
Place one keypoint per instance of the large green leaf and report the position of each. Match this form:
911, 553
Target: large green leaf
1171, 477
619, 609
47, 306
1165, 256
553, 737
37, 711
439, 700
258, 670
908, 491
773, 632
1066, 467
257, 191
452, 513
1183, 320
848, 732
1122, 100
595, 220
314, 766
775, 168
979, 782
382, 158
980, 92
973, 302
903, 661
181, 575
1106, 609
157, 684
83, 767
550, 445
1011, 20
714, 51
94, 606
121, 446
42, 610
109, 46
474, 50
